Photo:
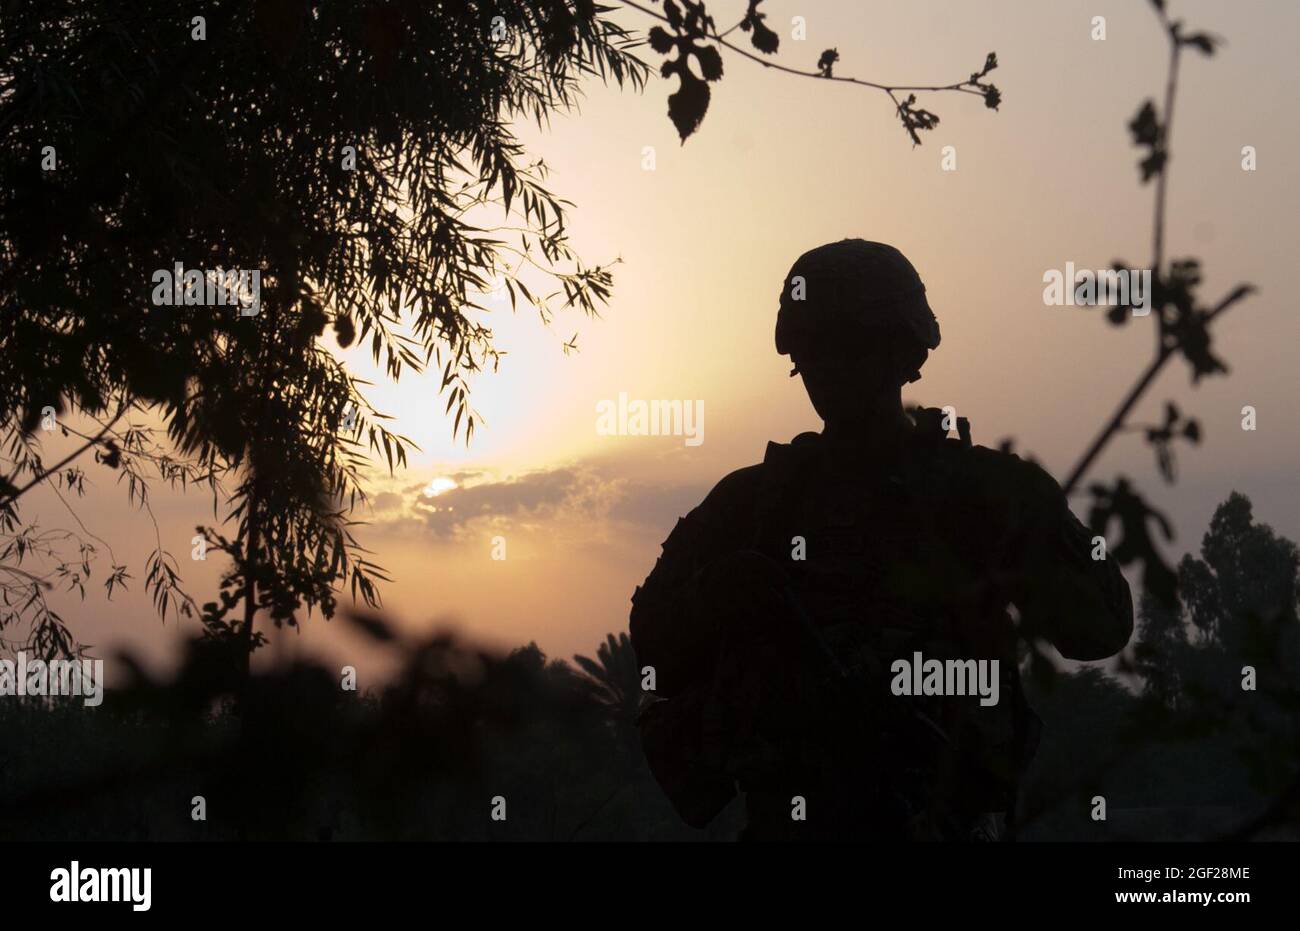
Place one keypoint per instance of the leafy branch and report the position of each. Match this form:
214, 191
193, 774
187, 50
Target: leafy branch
1182, 328
695, 36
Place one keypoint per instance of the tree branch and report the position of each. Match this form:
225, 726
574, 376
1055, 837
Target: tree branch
1116, 421
73, 455
887, 88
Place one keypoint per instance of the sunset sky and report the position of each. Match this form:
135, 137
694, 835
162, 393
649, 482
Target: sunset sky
782, 164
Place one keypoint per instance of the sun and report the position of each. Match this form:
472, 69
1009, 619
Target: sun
437, 486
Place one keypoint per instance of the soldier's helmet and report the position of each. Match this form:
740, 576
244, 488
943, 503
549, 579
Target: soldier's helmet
852, 290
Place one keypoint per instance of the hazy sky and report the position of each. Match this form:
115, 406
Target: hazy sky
782, 164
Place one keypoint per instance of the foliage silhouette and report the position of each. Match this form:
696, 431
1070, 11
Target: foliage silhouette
695, 36
613, 679
1185, 733
1182, 328
289, 754
352, 155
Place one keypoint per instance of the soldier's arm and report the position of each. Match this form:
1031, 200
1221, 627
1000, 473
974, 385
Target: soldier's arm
1082, 605
670, 629
675, 624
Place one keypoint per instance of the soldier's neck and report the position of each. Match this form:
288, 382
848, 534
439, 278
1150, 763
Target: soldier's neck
878, 427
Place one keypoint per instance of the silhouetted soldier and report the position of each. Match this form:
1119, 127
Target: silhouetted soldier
780, 604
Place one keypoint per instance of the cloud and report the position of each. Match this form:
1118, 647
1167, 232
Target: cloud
586, 494
533, 495
386, 501
656, 506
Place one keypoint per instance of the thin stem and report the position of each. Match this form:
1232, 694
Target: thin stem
1165, 133
1163, 352
1116, 423
1117, 419
35, 579
807, 74
75, 516
72, 455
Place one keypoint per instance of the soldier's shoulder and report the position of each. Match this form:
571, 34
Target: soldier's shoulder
744, 485
732, 504
735, 488
1004, 471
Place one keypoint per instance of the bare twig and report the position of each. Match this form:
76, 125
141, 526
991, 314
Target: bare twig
73, 455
